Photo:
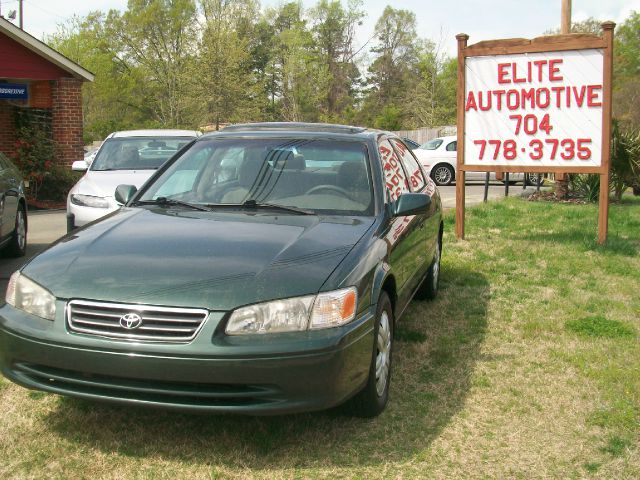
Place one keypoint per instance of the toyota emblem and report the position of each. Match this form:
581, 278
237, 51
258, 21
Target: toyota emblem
130, 321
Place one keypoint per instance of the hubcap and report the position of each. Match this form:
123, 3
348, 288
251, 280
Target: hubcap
442, 175
21, 230
436, 266
383, 357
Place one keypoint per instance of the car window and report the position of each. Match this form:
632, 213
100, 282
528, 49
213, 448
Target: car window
452, 146
326, 176
431, 144
416, 179
395, 178
182, 179
137, 153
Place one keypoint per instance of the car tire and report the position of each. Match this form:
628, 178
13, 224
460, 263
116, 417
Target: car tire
373, 398
442, 174
428, 290
18, 244
532, 179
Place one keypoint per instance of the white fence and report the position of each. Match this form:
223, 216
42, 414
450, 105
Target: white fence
423, 135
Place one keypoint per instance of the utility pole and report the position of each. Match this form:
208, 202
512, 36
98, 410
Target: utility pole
565, 21
20, 2
562, 182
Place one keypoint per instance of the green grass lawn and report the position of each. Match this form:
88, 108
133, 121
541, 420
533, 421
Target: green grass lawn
526, 366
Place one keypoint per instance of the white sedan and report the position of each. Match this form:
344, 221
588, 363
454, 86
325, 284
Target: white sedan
128, 157
439, 159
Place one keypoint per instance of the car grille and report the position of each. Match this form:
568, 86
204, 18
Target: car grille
135, 322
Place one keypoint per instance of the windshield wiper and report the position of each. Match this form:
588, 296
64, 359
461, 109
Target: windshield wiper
172, 201
251, 203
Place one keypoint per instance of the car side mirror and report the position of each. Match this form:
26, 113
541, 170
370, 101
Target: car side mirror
79, 166
124, 193
411, 204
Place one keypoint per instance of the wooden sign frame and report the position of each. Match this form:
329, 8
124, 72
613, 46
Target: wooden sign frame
551, 43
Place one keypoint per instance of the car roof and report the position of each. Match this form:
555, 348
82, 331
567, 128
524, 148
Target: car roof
155, 133
296, 129
446, 138
296, 126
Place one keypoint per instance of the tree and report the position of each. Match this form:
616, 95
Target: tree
298, 74
626, 78
156, 39
222, 79
433, 100
394, 72
333, 29
108, 101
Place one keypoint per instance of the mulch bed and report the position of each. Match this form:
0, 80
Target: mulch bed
551, 197
34, 204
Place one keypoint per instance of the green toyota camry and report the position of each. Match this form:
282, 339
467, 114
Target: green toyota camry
261, 270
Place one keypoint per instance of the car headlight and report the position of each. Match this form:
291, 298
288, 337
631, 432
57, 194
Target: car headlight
27, 295
325, 310
89, 201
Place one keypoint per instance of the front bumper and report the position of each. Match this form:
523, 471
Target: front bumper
265, 375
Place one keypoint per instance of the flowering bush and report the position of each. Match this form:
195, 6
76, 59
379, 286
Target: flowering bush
34, 156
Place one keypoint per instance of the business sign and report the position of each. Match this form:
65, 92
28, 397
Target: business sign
540, 105
14, 91
534, 109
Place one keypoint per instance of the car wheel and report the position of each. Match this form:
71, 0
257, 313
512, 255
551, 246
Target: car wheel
442, 175
532, 179
428, 290
372, 399
18, 243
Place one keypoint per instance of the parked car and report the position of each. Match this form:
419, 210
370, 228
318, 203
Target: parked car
260, 286
124, 157
439, 159
13, 209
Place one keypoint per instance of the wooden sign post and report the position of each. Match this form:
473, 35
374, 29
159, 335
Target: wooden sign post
541, 105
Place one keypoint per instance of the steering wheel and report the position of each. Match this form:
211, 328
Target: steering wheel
332, 188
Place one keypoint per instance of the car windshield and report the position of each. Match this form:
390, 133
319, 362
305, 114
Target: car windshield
322, 176
431, 144
137, 153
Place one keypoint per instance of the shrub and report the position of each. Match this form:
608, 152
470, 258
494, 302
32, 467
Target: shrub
34, 155
625, 160
57, 184
625, 167
585, 186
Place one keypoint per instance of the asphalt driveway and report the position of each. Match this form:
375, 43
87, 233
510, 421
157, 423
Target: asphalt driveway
44, 227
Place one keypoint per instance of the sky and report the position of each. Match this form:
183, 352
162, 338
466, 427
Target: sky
437, 20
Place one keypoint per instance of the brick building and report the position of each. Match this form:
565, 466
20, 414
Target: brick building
38, 84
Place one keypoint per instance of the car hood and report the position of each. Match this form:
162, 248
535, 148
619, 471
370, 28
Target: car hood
104, 183
214, 260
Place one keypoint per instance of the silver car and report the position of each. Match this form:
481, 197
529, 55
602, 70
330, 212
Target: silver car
13, 209
128, 157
